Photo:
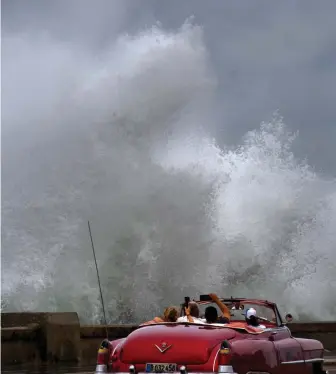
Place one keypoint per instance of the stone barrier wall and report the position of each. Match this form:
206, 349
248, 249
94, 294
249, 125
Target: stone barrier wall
59, 337
39, 337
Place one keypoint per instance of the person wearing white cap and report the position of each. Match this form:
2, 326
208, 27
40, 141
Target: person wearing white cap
252, 319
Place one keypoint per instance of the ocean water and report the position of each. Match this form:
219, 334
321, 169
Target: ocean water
122, 139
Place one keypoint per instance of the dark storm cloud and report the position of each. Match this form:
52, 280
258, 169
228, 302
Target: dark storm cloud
273, 55
267, 55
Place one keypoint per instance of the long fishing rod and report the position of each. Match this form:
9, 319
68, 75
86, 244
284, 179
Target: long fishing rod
100, 289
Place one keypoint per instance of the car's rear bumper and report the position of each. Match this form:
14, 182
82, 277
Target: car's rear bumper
222, 369
101, 369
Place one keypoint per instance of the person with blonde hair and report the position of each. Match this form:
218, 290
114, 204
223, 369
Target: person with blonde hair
170, 314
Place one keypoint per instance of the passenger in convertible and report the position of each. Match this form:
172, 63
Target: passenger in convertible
191, 314
170, 314
211, 314
252, 319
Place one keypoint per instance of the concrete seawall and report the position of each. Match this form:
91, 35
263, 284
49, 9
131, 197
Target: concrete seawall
59, 337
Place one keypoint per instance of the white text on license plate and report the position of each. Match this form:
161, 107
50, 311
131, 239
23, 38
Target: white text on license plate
161, 368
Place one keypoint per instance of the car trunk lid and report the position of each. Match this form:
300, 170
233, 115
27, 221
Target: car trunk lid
173, 343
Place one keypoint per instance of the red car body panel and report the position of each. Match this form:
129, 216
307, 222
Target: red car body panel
272, 350
180, 336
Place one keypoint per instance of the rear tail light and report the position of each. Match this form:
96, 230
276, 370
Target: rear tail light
224, 354
102, 357
224, 358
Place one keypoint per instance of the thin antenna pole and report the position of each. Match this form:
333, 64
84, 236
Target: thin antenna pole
101, 294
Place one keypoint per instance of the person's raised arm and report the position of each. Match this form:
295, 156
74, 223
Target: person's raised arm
224, 309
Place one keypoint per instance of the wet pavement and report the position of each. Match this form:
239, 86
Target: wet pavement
69, 369
48, 369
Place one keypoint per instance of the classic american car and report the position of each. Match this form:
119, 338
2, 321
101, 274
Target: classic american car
236, 347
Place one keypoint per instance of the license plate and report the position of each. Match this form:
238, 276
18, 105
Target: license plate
161, 368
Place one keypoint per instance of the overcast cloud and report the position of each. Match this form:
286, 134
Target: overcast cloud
267, 55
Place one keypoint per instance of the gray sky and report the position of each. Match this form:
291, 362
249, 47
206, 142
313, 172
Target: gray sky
267, 55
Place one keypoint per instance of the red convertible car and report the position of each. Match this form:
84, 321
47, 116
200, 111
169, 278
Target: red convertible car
236, 347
